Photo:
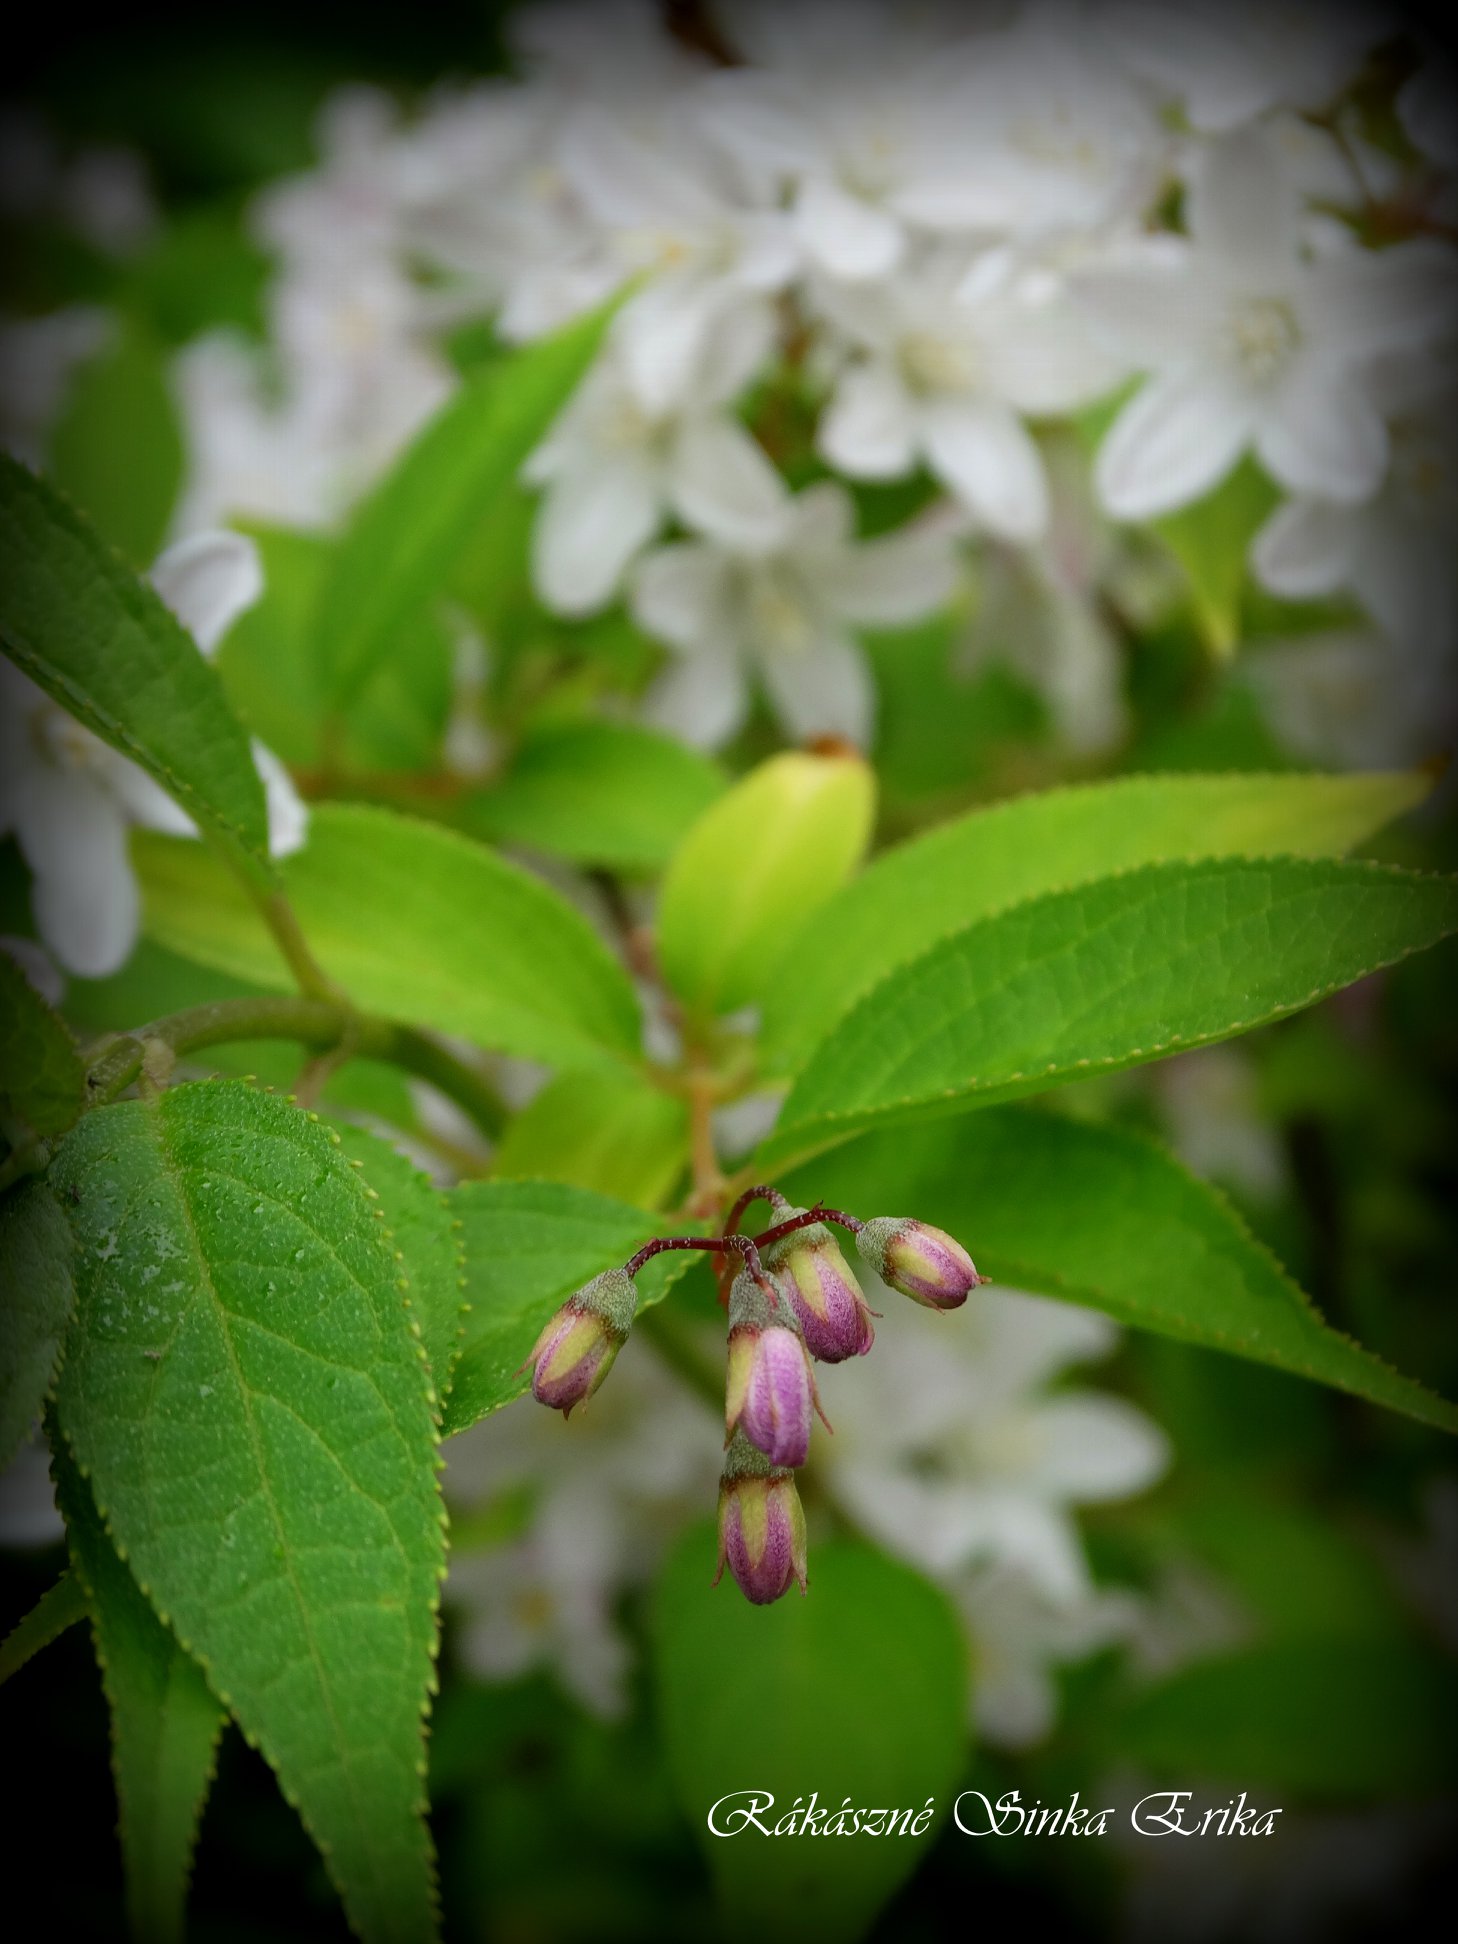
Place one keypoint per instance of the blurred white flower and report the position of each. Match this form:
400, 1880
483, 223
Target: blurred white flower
669, 207
1210, 1104
1019, 1635
1225, 62
39, 356
609, 1492
836, 114
615, 471
1256, 343
951, 1450
946, 379
1395, 553
785, 613
1037, 133
70, 799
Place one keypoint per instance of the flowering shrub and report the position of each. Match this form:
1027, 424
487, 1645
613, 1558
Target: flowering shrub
401, 999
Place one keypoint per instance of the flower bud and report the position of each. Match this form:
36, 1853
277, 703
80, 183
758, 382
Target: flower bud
827, 1299
761, 1524
922, 1262
770, 1388
575, 1351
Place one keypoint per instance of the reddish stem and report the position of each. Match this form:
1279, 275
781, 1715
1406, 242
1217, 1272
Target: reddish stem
808, 1220
718, 1244
761, 1193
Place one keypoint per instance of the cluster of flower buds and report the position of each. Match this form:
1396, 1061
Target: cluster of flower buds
793, 1302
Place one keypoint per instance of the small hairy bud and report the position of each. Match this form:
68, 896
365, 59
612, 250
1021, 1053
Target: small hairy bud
770, 1388
761, 1524
575, 1352
832, 1313
923, 1262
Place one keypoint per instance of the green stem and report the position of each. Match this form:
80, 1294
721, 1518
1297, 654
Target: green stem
317, 1023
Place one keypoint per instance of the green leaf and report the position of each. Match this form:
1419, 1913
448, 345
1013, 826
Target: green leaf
1211, 541
117, 446
165, 1721
424, 1231
405, 539
760, 861
58, 1608
855, 1695
413, 921
1325, 1720
105, 646
613, 1133
246, 1395
1100, 1216
269, 665
913, 895
599, 793
1108, 975
37, 1273
529, 1244
42, 1080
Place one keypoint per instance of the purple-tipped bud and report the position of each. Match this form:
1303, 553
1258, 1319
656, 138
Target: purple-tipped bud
827, 1299
576, 1350
922, 1262
761, 1525
770, 1388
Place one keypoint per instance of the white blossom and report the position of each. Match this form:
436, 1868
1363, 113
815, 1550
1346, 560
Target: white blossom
1226, 61
615, 471
69, 799
1257, 343
784, 613
949, 1449
949, 379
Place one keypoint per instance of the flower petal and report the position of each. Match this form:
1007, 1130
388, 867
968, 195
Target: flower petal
1172, 442
892, 581
678, 593
986, 455
722, 482
702, 699
591, 522
822, 690
208, 581
845, 235
1304, 549
84, 898
867, 428
1323, 435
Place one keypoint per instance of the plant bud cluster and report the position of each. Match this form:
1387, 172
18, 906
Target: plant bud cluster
794, 1302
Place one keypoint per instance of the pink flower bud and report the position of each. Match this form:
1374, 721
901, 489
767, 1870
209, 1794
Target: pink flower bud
770, 1389
922, 1262
575, 1352
827, 1299
761, 1525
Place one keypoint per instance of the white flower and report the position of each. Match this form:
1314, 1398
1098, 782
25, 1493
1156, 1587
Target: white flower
1018, 1634
945, 378
39, 357
1356, 698
607, 1496
840, 121
948, 1450
669, 208
1395, 553
1043, 135
70, 799
614, 472
1226, 61
785, 612
1211, 1105
1255, 343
